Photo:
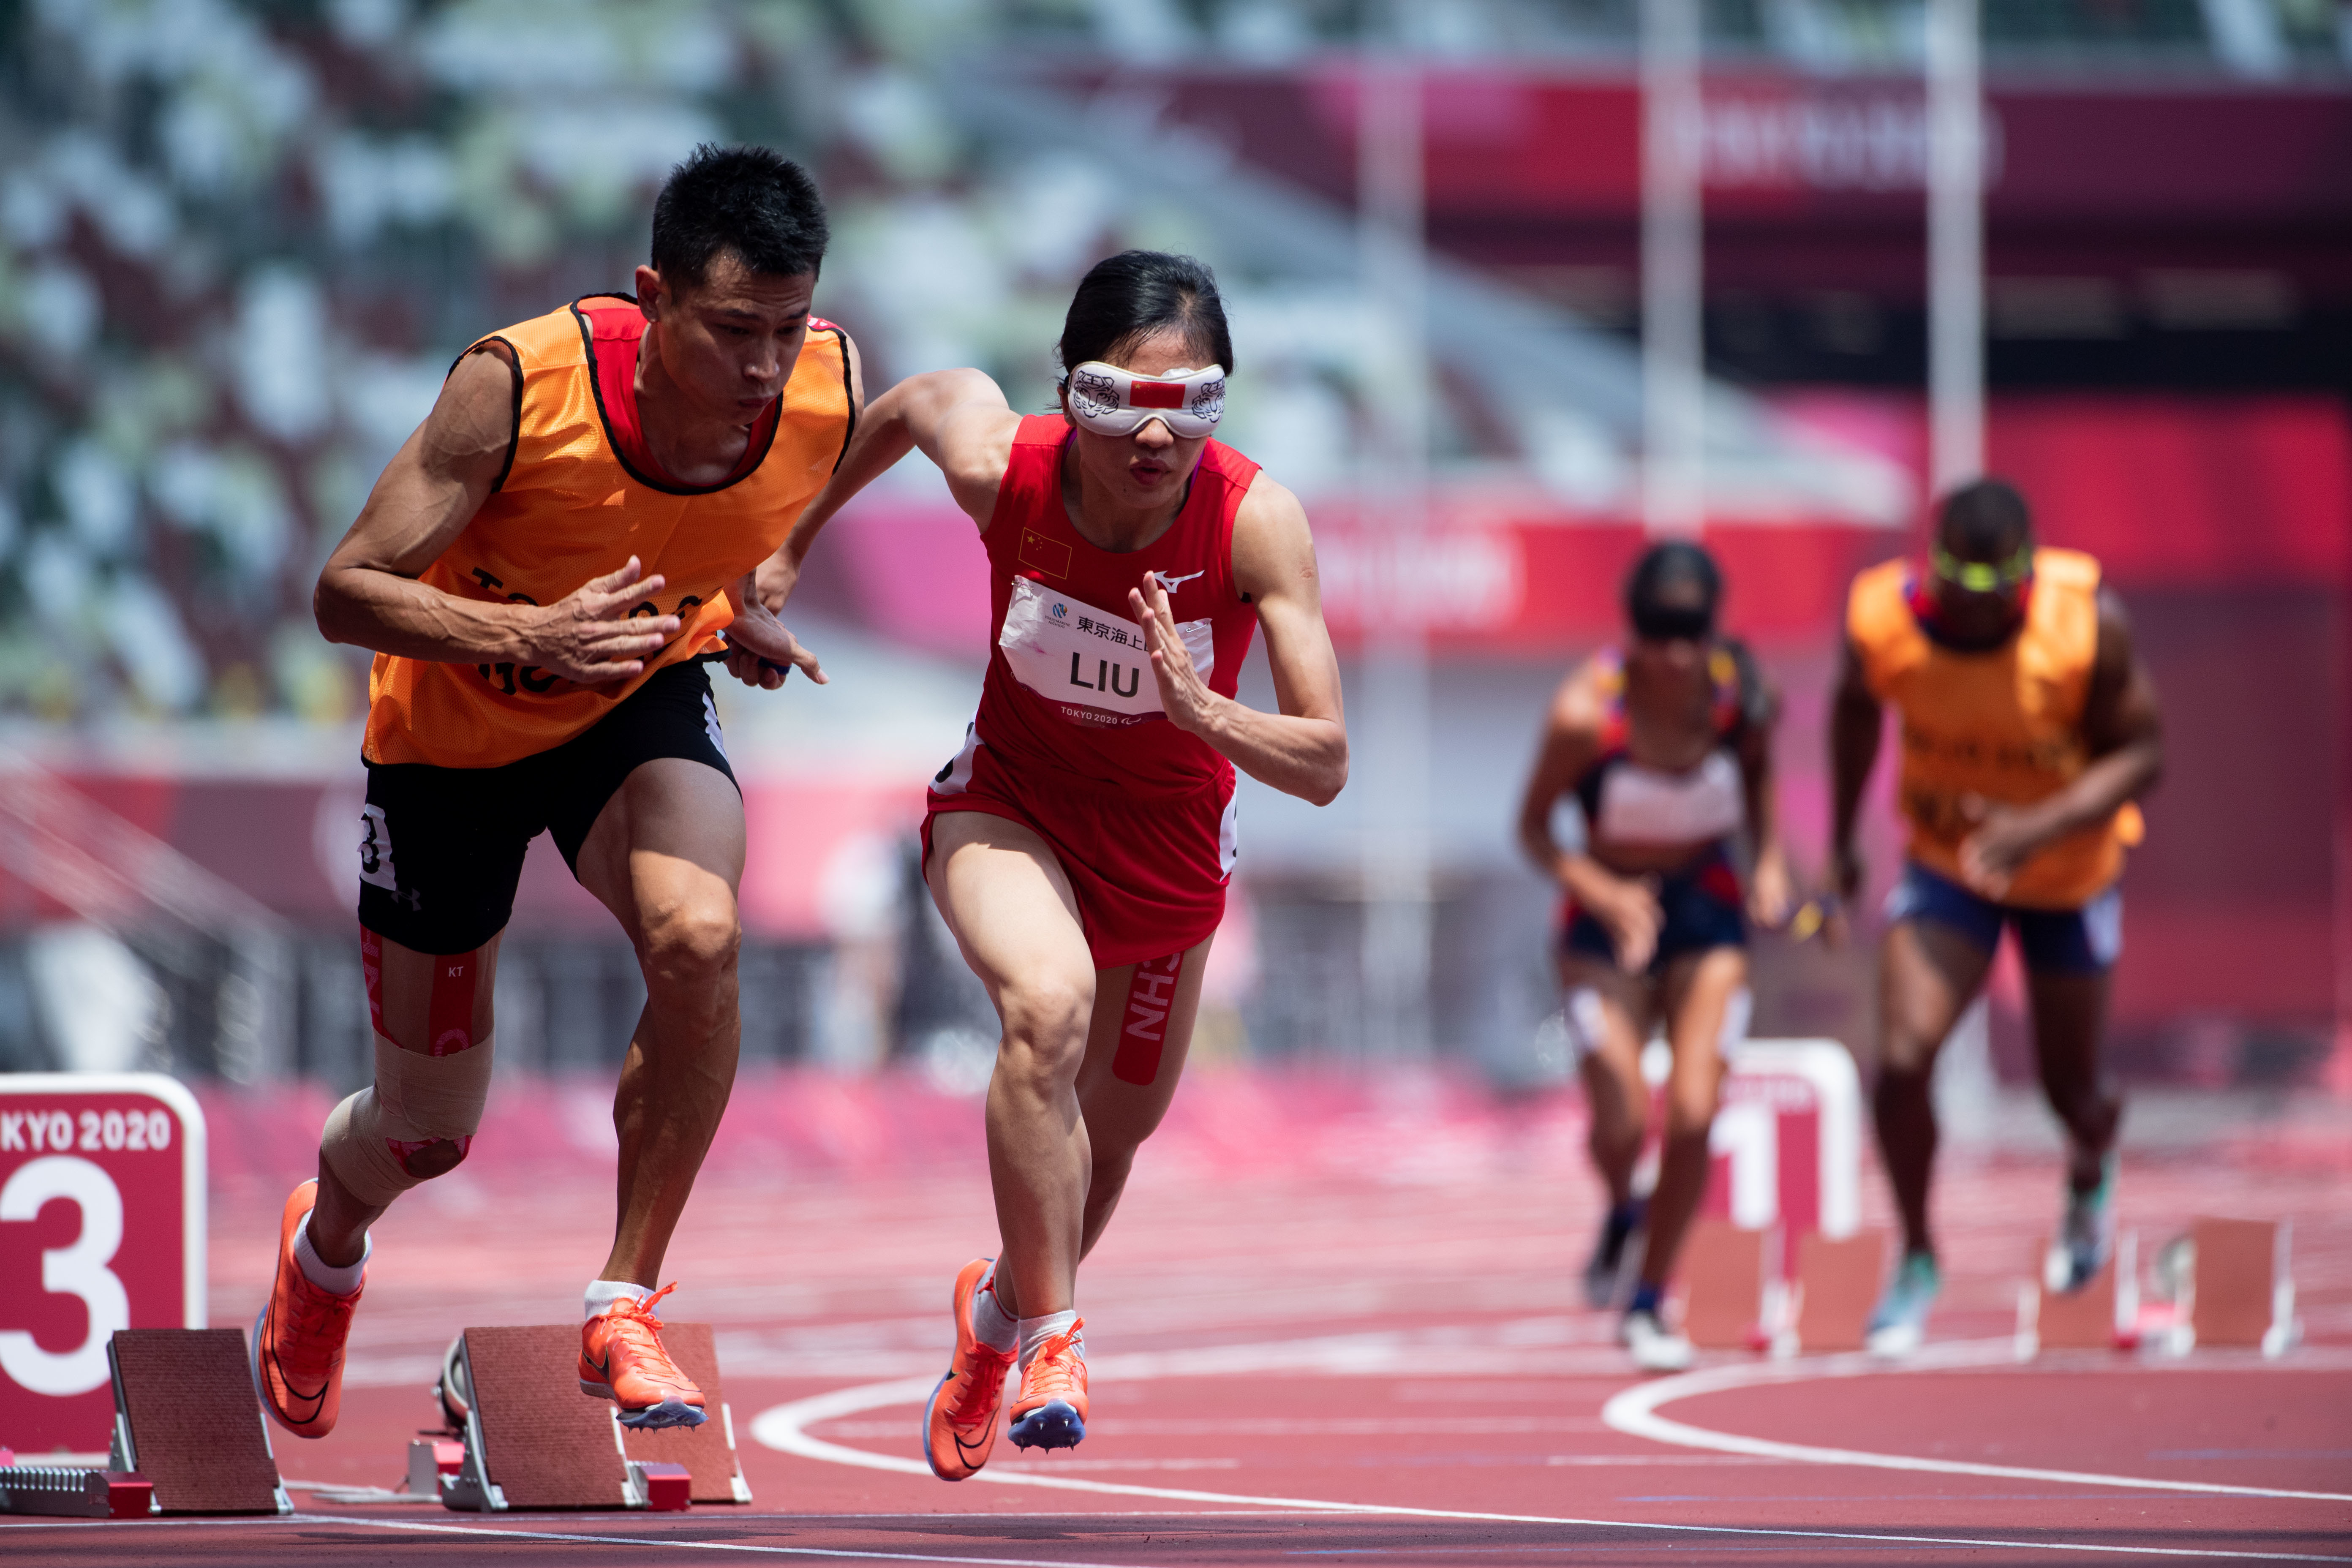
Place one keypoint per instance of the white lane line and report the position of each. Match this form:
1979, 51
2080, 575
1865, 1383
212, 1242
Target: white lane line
784, 1428
641, 1542
1634, 1411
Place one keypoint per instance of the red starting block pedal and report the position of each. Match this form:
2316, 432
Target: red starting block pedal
73, 1493
186, 1420
533, 1440
1722, 1273
1837, 1284
429, 1459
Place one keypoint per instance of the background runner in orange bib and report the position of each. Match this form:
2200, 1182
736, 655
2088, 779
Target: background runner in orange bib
2029, 726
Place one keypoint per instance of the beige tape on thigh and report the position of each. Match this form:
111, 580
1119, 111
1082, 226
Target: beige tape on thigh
416, 1100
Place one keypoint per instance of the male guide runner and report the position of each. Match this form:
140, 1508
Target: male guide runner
1079, 844
542, 571
2030, 728
1666, 745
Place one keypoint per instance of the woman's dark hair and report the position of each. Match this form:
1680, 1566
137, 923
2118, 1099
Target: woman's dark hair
758, 204
1984, 520
1139, 293
1660, 600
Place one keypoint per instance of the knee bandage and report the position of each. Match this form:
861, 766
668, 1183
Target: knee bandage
374, 1139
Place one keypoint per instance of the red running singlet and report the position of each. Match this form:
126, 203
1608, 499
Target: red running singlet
1071, 740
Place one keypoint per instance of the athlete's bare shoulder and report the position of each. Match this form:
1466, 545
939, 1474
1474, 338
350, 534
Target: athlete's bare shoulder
469, 435
1581, 706
1273, 550
962, 421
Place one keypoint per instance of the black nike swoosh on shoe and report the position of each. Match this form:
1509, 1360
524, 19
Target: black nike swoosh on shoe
278, 1368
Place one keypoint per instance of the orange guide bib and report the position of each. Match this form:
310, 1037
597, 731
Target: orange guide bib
570, 508
2005, 724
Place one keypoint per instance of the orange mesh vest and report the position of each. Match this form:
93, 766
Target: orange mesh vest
2005, 724
569, 510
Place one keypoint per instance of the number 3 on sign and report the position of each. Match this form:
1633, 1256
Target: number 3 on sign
78, 1269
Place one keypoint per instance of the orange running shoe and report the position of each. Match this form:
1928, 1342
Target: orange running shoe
621, 1360
960, 1426
1050, 1412
298, 1339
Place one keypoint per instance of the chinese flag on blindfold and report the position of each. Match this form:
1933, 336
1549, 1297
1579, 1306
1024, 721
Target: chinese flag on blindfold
1155, 395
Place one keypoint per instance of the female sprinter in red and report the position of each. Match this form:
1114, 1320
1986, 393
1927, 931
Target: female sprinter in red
1079, 844
1668, 747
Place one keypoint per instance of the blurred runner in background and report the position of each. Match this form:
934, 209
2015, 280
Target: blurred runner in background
2029, 727
1081, 843
1667, 746
542, 570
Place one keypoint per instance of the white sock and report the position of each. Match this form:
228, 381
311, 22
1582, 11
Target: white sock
327, 1276
1035, 1332
603, 1293
989, 1323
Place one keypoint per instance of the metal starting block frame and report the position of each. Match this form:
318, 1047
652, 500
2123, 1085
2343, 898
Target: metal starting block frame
533, 1440
71, 1492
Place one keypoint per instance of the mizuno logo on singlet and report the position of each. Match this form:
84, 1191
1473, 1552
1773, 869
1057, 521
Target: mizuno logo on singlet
1170, 585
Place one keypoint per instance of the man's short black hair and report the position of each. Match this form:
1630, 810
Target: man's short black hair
1985, 521
758, 204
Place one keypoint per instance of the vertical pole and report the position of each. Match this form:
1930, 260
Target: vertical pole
1956, 394
1673, 475
1393, 718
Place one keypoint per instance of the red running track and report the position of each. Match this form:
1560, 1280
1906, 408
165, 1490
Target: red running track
1333, 1322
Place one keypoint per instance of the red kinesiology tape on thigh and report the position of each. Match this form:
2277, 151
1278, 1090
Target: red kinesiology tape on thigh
449, 1019
1151, 998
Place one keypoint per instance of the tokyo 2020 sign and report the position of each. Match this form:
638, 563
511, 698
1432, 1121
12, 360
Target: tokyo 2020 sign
101, 1228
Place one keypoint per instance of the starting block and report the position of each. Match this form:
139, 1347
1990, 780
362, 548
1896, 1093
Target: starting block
1735, 1299
2226, 1283
1837, 1285
2102, 1315
2242, 1287
1726, 1301
186, 1420
530, 1439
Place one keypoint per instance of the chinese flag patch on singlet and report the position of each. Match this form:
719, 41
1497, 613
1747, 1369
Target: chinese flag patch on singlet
1050, 556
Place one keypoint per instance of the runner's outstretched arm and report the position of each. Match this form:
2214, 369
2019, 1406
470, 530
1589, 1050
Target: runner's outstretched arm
768, 651
368, 594
2124, 730
960, 420
1303, 749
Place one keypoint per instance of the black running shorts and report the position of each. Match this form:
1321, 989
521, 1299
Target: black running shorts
441, 849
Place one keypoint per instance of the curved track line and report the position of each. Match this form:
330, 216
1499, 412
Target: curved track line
1634, 1411
784, 1427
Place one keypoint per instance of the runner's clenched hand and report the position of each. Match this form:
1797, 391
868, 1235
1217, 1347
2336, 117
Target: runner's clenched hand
1184, 695
592, 635
2004, 838
1628, 909
760, 651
